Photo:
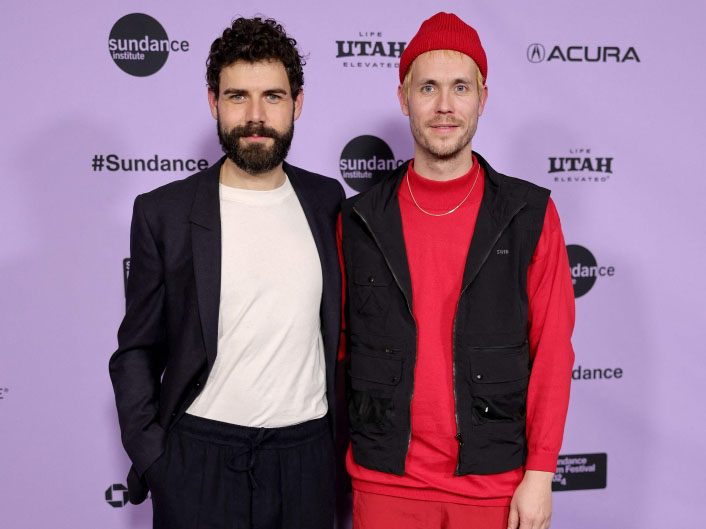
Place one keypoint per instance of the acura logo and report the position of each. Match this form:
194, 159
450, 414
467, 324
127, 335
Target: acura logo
535, 53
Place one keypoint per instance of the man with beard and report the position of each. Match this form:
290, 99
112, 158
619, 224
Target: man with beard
460, 313
224, 371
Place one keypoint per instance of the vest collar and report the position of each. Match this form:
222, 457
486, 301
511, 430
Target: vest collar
380, 210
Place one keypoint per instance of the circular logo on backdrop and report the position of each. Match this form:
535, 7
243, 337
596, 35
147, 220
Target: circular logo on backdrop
139, 45
536, 53
136, 44
585, 269
581, 260
116, 495
365, 160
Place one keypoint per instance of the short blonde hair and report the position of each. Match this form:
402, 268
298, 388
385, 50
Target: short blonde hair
409, 76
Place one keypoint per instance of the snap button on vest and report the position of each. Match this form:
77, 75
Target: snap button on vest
371, 279
479, 376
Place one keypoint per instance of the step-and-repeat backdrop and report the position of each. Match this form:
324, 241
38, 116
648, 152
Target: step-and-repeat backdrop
599, 101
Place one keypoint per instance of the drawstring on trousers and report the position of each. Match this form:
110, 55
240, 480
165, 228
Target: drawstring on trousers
254, 441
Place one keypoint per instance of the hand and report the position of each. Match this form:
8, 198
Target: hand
531, 505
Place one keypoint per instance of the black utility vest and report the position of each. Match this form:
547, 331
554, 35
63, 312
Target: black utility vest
491, 362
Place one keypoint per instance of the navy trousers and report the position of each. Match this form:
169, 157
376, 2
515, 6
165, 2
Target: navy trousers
215, 475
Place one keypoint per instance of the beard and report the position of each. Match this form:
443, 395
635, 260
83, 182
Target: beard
442, 150
255, 158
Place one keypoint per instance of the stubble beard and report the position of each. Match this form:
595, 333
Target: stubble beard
441, 151
255, 158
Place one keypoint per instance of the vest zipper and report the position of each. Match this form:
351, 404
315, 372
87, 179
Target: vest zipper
409, 308
459, 436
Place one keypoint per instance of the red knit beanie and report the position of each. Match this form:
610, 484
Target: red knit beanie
445, 31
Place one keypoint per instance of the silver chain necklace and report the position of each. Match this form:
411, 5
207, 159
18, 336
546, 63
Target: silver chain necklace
449, 211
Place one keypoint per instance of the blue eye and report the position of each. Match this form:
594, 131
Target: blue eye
461, 88
427, 89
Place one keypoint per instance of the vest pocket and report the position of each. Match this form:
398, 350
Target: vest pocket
373, 379
370, 290
506, 408
498, 365
499, 376
373, 372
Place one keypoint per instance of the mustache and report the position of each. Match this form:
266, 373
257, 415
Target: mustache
443, 121
252, 129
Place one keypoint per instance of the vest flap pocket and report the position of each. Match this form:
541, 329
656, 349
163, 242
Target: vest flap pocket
371, 368
371, 277
377, 345
493, 365
508, 407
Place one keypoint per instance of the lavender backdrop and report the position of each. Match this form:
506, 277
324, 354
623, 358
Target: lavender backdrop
65, 223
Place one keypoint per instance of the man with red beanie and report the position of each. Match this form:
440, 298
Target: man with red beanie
459, 317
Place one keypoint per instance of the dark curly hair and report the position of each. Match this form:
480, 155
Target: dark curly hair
254, 40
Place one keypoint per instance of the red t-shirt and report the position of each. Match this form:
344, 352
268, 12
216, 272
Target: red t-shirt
437, 248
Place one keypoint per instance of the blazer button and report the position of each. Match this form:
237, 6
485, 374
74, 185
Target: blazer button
479, 376
371, 279
393, 379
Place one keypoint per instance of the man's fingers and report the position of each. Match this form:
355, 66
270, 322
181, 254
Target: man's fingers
547, 522
534, 522
513, 521
530, 522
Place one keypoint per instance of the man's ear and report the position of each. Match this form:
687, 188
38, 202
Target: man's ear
298, 104
483, 99
403, 100
213, 103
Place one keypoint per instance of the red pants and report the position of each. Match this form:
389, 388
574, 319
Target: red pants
375, 511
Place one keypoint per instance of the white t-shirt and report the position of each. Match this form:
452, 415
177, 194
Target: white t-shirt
270, 369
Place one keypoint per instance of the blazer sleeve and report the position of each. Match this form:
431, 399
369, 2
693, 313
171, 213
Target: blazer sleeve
137, 365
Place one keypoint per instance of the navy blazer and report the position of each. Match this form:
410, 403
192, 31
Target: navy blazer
167, 342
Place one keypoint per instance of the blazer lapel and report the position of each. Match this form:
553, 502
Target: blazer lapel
322, 226
314, 218
310, 207
206, 248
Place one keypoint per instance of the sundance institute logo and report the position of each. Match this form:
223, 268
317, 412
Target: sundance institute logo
585, 269
365, 160
139, 45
